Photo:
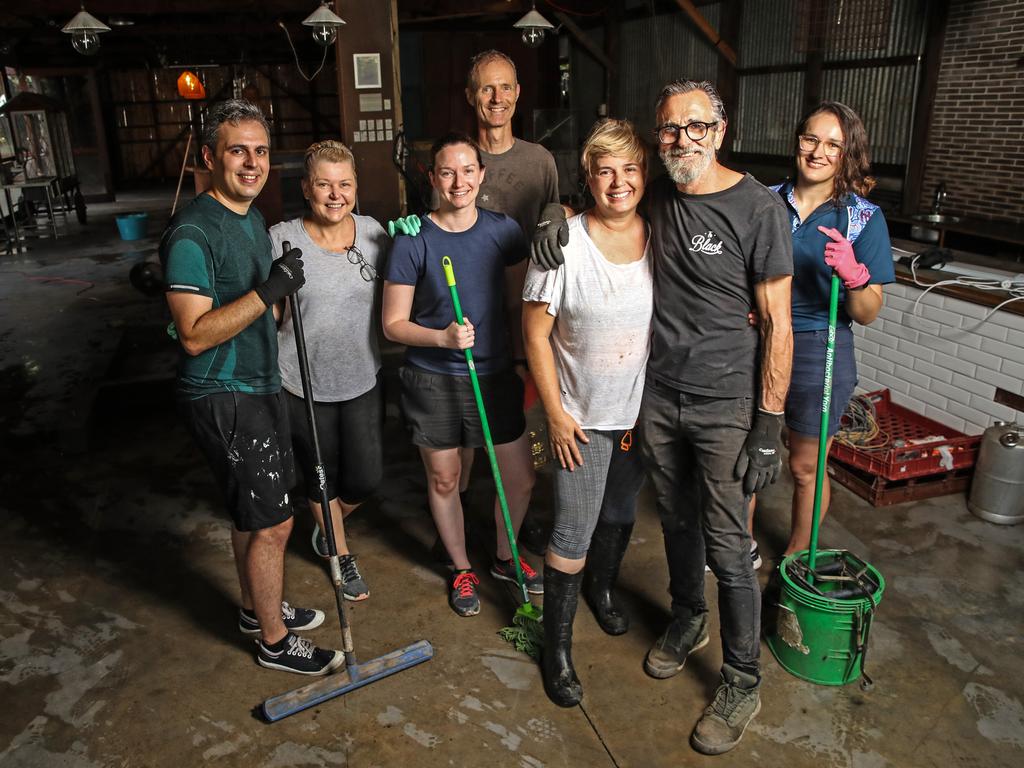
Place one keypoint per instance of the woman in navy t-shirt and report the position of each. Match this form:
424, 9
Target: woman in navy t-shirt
834, 228
437, 397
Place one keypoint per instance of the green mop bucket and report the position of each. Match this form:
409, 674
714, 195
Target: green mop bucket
818, 638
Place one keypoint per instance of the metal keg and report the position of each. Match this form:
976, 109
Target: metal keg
997, 492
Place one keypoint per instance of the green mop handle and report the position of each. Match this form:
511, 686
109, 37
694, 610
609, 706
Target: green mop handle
449, 275
826, 402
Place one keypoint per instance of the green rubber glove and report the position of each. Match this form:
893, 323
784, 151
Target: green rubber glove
405, 225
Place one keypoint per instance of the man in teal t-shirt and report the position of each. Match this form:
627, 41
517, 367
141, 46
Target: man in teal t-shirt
223, 290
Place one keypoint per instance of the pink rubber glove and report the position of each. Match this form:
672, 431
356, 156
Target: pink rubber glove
839, 256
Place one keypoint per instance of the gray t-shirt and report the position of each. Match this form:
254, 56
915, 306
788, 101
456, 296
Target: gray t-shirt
519, 183
340, 314
710, 252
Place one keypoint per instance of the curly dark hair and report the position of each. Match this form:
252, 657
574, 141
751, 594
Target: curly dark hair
854, 170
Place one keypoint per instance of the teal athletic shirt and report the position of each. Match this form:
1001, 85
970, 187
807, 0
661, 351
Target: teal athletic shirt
209, 250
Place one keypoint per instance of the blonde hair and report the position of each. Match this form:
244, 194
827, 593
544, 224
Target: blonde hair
329, 151
617, 138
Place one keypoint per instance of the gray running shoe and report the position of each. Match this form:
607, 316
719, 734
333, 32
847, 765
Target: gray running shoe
737, 701
320, 543
680, 638
354, 587
462, 596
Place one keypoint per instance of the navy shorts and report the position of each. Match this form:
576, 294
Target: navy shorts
245, 440
441, 412
803, 404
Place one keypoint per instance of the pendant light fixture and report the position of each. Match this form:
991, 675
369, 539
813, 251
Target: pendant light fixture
324, 23
85, 30
534, 26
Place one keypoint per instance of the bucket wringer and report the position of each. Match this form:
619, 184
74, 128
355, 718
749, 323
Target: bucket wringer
828, 599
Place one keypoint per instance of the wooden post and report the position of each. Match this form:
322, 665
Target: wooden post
371, 29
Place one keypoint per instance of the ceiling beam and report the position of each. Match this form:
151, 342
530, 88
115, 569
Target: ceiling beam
723, 48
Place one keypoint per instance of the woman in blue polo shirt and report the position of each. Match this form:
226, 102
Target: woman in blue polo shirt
834, 228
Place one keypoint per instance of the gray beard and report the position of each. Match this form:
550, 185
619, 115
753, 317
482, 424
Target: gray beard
684, 172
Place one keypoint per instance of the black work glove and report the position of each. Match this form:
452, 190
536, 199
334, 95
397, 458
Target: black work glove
760, 461
551, 234
286, 276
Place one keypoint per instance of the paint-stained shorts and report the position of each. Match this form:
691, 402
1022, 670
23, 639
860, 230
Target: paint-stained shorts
246, 441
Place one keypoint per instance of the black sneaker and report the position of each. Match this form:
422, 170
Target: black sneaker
354, 587
463, 597
679, 640
755, 555
299, 655
295, 619
506, 571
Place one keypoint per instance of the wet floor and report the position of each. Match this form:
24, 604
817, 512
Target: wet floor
118, 642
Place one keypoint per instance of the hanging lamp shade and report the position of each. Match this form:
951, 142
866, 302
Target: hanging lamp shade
190, 87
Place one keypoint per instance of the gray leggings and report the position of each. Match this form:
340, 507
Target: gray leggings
605, 487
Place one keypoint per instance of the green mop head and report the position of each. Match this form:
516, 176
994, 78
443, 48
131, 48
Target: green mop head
527, 630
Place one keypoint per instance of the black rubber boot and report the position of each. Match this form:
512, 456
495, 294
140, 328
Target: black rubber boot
607, 548
561, 593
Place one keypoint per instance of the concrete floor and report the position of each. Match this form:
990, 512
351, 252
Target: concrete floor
118, 644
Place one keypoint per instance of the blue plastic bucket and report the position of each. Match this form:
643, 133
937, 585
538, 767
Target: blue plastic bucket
132, 226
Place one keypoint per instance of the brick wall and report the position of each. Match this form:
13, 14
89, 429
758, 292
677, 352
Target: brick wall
975, 139
935, 367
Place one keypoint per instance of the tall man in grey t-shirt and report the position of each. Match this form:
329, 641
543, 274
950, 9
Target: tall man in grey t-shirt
521, 181
713, 404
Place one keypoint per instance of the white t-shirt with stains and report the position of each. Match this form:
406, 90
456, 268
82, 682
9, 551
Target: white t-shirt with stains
602, 331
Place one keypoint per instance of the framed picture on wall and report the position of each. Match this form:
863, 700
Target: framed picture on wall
367, 69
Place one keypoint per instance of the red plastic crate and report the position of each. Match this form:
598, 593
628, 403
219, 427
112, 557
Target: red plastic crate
912, 450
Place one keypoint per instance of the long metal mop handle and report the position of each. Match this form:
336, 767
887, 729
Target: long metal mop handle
449, 275
318, 470
826, 403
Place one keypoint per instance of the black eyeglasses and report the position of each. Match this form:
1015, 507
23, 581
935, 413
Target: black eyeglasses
810, 143
695, 131
366, 270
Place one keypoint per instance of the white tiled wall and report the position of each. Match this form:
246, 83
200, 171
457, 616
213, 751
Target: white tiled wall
935, 367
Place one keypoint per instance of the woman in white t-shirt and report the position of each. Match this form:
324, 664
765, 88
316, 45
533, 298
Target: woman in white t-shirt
587, 330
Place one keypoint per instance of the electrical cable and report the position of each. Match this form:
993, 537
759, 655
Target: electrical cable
1013, 286
298, 66
859, 427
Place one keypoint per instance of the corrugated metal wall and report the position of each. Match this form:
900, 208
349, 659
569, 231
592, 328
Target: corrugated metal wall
656, 50
766, 113
870, 81
883, 97
766, 34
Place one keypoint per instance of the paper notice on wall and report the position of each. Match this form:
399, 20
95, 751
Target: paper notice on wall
371, 102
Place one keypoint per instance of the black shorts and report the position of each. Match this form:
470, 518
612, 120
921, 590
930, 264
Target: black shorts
440, 410
241, 437
351, 445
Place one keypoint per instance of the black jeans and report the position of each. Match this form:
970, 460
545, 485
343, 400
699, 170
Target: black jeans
690, 446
